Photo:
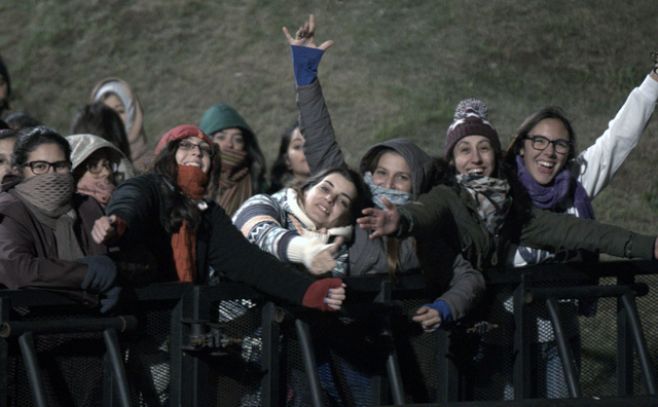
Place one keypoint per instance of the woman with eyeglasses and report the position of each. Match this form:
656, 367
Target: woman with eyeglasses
543, 154
165, 212
45, 227
94, 163
485, 208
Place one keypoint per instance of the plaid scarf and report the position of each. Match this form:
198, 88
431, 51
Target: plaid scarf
492, 197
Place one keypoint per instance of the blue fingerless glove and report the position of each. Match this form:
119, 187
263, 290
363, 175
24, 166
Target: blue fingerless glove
305, 62
101, 273
443, 309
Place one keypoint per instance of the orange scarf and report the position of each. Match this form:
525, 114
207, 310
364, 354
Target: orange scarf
192, 181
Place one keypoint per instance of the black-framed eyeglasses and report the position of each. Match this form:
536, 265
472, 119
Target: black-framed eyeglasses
98, 166
540, 143
204, 149
41, 167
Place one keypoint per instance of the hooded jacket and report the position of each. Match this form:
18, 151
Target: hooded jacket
463, 283
140, 154
84, 145
222, 116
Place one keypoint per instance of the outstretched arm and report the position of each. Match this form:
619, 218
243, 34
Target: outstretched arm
554, 231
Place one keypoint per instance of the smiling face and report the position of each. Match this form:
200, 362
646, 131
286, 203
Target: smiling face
392, 172
193, 152
545, 164
295, 158
474, 155
328, 203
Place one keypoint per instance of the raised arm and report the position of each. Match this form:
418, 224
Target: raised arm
600, 161
320, 146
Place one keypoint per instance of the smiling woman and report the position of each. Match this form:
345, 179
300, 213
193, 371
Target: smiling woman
307, 225
165, 214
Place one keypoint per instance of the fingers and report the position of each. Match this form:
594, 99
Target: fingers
326, 45
311, 24
333, 249
388, 204
112, 219
288, 36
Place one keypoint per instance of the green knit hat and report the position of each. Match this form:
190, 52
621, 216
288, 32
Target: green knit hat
220, 117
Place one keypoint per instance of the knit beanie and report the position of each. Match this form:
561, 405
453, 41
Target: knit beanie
470, 120
181, 132
222, 116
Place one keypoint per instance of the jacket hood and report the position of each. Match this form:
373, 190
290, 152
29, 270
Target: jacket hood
84, 145
418, 161
222, 116
134, 111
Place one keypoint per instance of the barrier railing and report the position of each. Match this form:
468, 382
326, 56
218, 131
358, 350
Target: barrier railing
178, 344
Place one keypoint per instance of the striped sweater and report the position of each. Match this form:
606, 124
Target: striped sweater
278, 225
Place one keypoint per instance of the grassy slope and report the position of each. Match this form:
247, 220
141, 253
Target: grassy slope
398, 67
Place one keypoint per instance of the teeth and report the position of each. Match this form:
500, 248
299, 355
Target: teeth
325, 210
476, 171
546, 164
192, 164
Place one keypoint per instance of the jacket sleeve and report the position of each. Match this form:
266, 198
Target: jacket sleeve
554, 231
600, 161
136, 202
259, 220
20, 266
465, 287
320, 146
427, 214
232, 255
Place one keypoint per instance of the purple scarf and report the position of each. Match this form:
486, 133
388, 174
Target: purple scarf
549, 196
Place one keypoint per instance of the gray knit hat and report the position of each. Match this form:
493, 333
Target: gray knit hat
470, 120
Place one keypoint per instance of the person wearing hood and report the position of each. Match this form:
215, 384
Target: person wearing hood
7, 142
487, 212
164, 213
396, 171
94, 164
118, 95
243, 163
45, 227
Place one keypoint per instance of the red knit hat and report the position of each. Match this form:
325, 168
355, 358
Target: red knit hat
181, 132
470, 120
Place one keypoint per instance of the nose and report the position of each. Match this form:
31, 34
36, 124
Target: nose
105, 172
477, 157
550, 150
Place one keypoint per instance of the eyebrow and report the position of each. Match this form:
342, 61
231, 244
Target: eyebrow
342, 193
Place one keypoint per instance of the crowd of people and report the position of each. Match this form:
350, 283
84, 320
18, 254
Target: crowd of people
98, 211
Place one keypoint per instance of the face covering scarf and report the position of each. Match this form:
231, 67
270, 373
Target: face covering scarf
378, 192
49, 197
234, 182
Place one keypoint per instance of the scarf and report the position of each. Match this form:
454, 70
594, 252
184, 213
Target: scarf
550, 196
234, 182
48, 197
99, 189
192, 181
492, 197
378, 192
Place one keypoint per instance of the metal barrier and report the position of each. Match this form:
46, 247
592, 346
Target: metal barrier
178, 344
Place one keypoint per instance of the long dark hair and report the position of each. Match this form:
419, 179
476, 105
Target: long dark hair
29, 139
179, 207
363, 197
4, 103
102, 121
280, 170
